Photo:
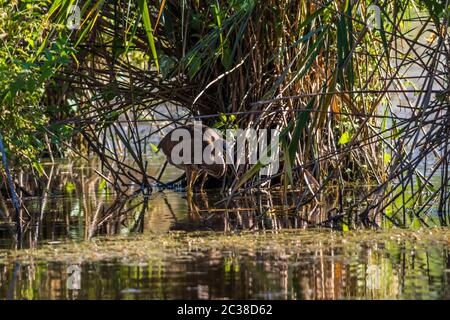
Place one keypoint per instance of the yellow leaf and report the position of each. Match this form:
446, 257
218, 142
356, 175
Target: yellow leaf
387, 158
345, 138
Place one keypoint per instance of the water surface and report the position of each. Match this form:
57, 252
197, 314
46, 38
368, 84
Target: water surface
83, 242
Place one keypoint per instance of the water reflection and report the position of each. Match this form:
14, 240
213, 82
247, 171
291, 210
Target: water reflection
74, 205
319, 270
83, 215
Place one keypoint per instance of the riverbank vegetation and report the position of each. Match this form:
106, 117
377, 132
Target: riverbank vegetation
358, 90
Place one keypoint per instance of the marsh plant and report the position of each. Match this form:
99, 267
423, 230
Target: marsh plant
358, 91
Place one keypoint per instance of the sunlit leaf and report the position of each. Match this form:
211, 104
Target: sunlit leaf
386, 158
143, 7
345, 138
154, 147
102, 184
39, 168
70, 187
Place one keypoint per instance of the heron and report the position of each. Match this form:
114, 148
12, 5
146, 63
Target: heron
212, 161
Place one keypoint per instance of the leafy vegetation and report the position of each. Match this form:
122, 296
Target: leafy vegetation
27, 68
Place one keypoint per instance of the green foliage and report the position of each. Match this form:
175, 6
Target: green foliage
345, 138
27, 63
143, 7
225, 122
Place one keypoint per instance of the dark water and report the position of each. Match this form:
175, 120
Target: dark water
283, 267
81, 242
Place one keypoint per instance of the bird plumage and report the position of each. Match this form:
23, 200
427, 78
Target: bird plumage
195, 138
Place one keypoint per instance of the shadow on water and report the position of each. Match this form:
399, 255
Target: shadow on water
257, 246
